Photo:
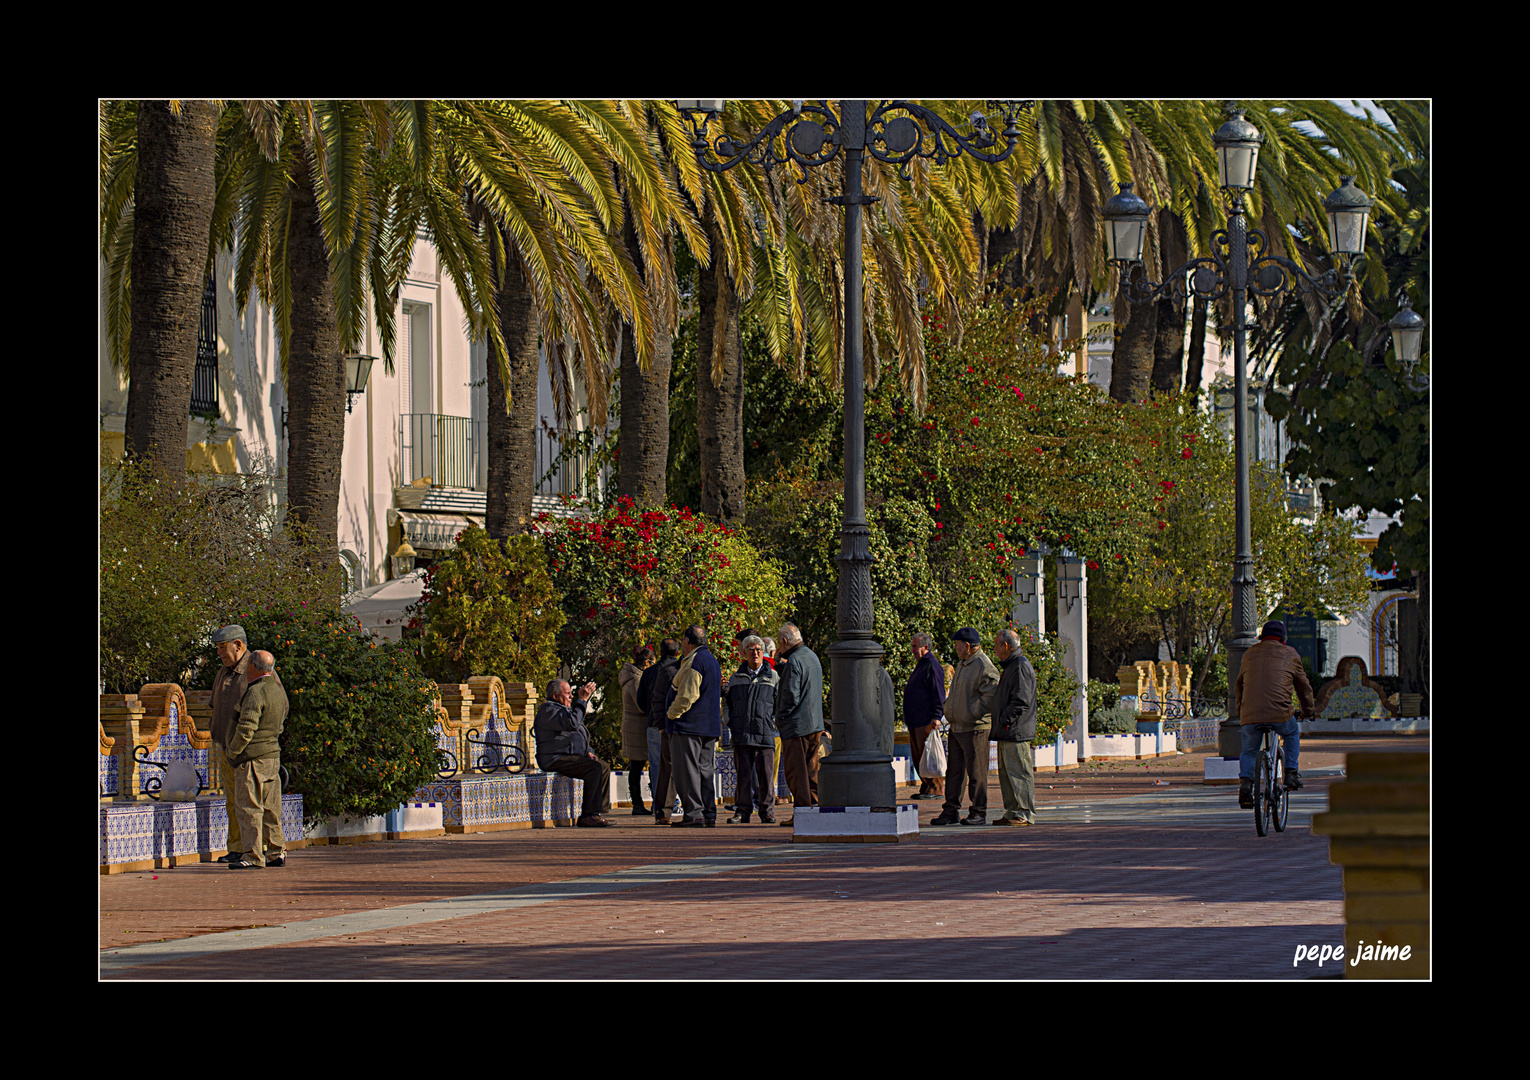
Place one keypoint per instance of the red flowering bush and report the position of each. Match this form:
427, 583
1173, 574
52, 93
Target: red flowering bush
634, 576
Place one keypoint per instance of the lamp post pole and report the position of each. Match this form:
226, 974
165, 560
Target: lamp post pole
1233, 270
858, 772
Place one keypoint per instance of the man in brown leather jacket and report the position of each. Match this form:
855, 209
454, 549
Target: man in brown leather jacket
1269, 673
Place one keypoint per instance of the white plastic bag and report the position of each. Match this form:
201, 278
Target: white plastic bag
933, 763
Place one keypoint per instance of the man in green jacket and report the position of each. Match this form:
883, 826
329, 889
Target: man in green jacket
967, 708
254, 754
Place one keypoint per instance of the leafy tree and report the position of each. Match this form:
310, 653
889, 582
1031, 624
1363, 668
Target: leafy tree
360, 736
1182, 580
1361, 429
179, 557
489, 609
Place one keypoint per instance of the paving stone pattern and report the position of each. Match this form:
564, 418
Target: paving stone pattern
1171, 882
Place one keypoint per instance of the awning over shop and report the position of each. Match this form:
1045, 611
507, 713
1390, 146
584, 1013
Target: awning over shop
435, 532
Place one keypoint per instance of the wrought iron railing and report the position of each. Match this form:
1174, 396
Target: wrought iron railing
446, 449
452, 451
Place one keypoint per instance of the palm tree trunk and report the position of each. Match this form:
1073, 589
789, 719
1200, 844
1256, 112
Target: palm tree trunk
644, 441
1131, 361
315, 374
1168, 347
1196, 360
173, 205
512, 432
720, 403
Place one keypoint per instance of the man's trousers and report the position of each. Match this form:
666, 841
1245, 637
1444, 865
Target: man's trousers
258, 801
966, 759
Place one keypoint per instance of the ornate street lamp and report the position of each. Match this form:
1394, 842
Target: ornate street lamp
1234, 269
857, 772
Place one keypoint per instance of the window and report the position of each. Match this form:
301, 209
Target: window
204, 382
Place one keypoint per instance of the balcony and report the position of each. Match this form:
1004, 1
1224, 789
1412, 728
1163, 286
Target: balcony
452, 452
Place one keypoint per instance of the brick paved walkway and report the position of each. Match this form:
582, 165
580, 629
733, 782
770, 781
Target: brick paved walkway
1169, 883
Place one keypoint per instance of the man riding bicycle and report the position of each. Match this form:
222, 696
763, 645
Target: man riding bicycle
1269, 673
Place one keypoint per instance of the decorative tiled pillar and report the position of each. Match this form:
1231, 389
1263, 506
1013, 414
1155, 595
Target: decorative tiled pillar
127, 722
457, 701
520, 708
1378, 830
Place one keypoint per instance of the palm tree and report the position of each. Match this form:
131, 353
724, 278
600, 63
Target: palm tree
654, 211
328, 204
157, 204
536, 182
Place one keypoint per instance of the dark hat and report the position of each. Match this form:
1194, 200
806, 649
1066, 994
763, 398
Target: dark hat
1274, 628
967, 634
229, 633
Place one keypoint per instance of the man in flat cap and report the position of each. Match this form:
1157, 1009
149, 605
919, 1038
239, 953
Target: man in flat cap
254, 753
967, 709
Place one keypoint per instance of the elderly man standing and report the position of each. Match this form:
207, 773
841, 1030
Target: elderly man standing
254, 754
695, 723
751, 704
799, 714
924, 703
563, 746
967, 707
653, 697
228, 688
1014, 728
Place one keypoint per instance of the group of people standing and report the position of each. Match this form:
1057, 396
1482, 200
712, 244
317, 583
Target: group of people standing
986, 703
676, 704
674, 709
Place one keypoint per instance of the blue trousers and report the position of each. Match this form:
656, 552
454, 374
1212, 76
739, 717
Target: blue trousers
1253, 734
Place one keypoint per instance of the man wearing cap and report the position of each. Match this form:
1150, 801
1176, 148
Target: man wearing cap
254, 753
967, 707
228, 689
1268, 675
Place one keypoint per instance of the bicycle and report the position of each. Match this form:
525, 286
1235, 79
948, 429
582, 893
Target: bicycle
1272, 802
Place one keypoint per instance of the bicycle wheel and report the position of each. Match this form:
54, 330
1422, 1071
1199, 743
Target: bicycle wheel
1280, 798
1262, 794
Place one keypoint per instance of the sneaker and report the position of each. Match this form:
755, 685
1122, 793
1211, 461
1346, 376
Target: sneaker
276, 860
975, 818
739, 819
242, 863
1293, 781
767, 819
945, 819
232, 856
1245, 794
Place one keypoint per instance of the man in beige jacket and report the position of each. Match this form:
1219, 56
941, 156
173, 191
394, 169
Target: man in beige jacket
968, 706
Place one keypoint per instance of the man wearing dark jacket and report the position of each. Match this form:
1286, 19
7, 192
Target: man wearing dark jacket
924, 700
751, 706
799, 714
653, 698
563, 746
694, 725
1014, 728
